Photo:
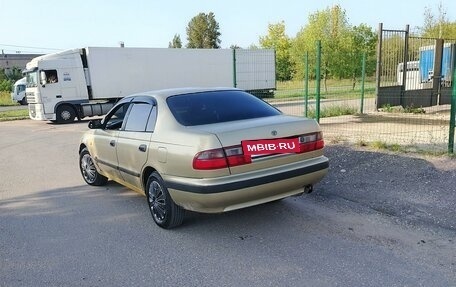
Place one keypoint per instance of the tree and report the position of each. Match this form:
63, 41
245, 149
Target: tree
7, 78
438, 26
14, 74
278, 40
332, 29
203, 32
362, 40
176, 43
342, 45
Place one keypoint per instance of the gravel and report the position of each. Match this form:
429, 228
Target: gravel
413, 189
404, 202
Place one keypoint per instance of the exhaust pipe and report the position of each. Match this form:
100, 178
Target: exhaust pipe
308, 188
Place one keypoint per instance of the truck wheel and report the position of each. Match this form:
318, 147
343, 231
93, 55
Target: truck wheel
65, 114
88, 170
165, 212
23, 101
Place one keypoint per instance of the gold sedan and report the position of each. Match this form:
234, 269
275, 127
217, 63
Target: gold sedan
204, 150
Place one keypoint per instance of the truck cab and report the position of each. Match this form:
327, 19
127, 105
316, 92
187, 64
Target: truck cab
18, 92
56, 86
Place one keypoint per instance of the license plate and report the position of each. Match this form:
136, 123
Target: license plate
273, 146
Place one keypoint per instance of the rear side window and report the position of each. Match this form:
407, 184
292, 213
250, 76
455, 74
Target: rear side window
217, 107
139, 119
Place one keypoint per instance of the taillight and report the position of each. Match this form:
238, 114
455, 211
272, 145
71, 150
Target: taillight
210, 159
220, 158
311, 142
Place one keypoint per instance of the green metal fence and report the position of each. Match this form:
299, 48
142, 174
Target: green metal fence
348, 111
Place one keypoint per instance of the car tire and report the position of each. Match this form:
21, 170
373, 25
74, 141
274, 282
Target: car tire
65, 114
89, 171
164, 211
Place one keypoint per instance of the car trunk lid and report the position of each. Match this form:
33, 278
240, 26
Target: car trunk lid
264, 142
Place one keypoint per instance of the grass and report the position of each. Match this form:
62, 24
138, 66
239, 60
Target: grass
5, 99
397, 148
380, 145
336, 89
385, 146
14, 115
397, 109
333, 111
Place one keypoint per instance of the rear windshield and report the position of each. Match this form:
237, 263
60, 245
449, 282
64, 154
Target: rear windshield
217, 107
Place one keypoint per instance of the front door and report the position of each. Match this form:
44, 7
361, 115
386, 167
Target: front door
106, 141
105, 154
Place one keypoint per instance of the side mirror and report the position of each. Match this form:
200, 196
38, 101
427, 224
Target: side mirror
95, 124
43, 79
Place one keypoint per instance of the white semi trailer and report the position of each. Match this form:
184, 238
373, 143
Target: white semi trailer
87, 82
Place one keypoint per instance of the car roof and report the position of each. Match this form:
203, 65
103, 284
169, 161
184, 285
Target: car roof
165, 93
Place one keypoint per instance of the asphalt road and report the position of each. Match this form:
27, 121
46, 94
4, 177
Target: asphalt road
10, 108
377, 219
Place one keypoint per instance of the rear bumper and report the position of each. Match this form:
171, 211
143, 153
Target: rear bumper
239, 191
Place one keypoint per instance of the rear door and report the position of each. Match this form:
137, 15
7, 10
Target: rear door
134, 139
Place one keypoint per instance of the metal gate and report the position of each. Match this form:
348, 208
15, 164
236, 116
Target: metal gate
413, 71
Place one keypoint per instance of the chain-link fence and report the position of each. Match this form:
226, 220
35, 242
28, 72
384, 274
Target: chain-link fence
406, 107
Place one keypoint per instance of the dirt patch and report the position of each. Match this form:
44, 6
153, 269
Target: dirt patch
419, 131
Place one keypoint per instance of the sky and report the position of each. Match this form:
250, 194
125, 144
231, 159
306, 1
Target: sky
46, 26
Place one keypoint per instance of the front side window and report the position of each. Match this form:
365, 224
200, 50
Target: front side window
51, 76
115, 118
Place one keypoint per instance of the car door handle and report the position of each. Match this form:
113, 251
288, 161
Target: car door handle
112, 143
142, 148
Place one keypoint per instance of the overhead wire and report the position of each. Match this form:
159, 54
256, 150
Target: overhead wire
36, 49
